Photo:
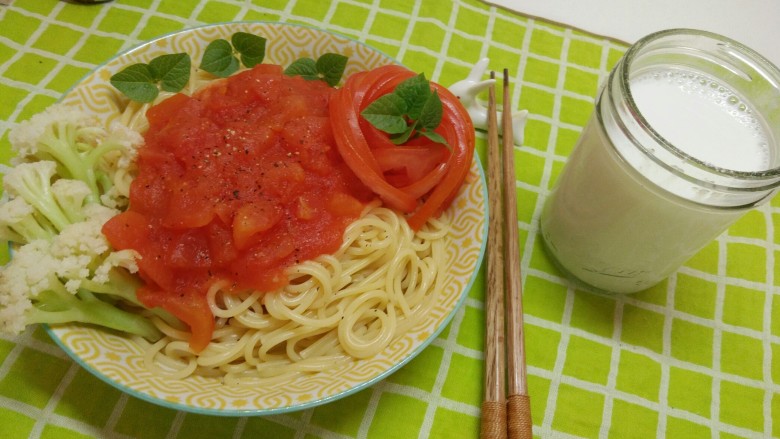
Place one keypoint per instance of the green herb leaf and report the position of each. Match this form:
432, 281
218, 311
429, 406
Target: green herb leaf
331, 67
431, 112
415, 91
435, 137
218, 59
387, 114
304, 67
328, 67
173, 71
137, 82
412, 109
251, 47
400, 139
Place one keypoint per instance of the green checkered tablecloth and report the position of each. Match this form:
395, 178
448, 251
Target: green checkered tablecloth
693, 357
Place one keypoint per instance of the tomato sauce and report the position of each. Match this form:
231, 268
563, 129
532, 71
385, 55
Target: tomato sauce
236, 183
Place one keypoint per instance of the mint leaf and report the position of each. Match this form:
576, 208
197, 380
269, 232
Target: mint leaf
173, 71
250, 47
328, 67
431, 113
142, 82
387, 114
411, 110
305, 67
400, 139
331, 67
137, 82
218, 59
435, 137
415, 91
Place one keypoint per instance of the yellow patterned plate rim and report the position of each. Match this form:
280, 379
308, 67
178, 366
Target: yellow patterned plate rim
118, 360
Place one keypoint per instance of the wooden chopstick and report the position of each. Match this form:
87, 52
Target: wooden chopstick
494, 419
512, 417
518, 402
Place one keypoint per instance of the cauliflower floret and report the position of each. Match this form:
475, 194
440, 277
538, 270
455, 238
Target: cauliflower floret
70, 196
26, 137
29, 271
20, 223
129, 139
12, 312
84, 236
33, 183
79, 244
127, 259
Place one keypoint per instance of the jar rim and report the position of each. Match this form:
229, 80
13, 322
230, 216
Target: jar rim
756, 61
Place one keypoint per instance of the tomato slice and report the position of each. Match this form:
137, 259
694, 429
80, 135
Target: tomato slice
414, 161
424, 185
457, 119
356, 152
428, 179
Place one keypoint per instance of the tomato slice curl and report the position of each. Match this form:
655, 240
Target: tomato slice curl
365, 149
356, 152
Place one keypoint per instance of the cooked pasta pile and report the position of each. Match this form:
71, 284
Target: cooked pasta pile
337, 308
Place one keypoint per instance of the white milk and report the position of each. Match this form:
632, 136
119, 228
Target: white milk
702, 118
622, 231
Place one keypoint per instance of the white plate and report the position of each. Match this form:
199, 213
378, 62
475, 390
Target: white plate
118, 360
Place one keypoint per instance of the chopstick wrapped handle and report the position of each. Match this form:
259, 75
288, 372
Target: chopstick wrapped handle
494, 424
520, 425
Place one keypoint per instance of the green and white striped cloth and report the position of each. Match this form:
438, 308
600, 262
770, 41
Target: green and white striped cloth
693, 357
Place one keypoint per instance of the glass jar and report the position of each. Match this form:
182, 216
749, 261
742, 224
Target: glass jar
682, 142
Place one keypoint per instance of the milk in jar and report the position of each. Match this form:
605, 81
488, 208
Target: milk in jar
672, 156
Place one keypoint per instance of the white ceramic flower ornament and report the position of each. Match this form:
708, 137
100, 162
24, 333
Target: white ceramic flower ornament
468, 89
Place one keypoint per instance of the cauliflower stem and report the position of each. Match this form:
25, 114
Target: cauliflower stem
33, 183
57, 306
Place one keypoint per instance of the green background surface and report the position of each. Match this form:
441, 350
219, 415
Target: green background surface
693, 357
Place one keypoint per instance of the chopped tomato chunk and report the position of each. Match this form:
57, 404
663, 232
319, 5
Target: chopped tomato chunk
254, 218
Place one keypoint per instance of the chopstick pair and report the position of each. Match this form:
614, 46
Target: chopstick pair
506, 406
